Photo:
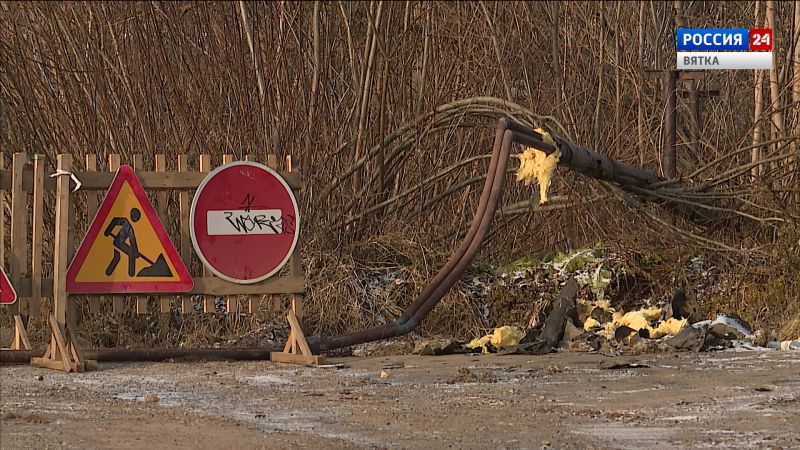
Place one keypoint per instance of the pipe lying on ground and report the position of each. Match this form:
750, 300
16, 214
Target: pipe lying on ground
451, 272
148, 354
508, 132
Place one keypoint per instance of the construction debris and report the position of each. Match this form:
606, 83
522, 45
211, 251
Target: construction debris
502, 337
785, 345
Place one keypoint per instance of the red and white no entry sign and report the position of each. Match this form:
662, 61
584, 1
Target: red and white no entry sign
7, 293
244, 222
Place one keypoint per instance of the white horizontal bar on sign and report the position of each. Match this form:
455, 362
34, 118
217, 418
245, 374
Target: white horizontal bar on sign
724, 60
244, 222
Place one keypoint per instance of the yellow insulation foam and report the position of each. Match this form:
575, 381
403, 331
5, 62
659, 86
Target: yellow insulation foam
536, 165
505, 336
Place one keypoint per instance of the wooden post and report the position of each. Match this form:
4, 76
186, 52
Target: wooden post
232, 302
19, 214
141, 300
277, 301
91, 209
118, 301
186, 244
295, 265
161, 208
208, 300
60, 261
38, 236
62, 354
296, 349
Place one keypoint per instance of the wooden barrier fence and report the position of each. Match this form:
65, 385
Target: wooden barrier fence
29, 184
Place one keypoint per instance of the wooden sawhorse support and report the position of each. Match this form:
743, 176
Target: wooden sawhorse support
296, 350
61, 353
21, 341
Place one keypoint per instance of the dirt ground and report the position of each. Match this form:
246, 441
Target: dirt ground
567, 400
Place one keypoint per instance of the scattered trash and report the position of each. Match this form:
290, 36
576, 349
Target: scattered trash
39, 378
725, 331
151, 398
690, 339
625, 366
529, 348
440, 347
785, 345
649, 323
332, 366
384, 374
505, 336
554, 325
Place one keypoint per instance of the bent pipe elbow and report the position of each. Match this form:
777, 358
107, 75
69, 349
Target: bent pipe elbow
441, 283
492, 173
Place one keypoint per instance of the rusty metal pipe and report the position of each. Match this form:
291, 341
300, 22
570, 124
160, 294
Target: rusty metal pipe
148, 354
583, 160
448, 275
422, 298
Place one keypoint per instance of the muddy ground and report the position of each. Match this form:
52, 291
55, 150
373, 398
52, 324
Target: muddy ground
567, 400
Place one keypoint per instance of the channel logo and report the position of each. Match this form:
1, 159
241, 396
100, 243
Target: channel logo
724, 48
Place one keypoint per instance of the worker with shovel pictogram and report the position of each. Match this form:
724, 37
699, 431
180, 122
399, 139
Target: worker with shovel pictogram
125, 242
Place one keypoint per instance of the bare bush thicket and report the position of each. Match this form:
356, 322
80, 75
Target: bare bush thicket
388, 107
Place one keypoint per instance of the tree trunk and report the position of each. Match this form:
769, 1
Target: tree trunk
758, 102
777, 126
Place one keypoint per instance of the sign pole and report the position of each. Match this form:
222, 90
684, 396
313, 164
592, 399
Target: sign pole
62, 354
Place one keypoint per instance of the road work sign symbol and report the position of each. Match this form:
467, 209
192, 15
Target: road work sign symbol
7, 293
127, 249
244, 222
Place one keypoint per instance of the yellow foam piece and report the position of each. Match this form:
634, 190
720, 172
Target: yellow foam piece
505, 336
634, 319
671, 327
591, 323
536, 165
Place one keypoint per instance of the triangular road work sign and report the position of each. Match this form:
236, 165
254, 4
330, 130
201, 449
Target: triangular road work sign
7, 293
127, 249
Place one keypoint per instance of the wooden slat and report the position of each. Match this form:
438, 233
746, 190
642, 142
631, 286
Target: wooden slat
21, 341
118, 301
203, 286
38, 237
295, 265
141, 300
19, 213
299, 338
208, 301
161, 208
58, 336
296, 358
72, 306
232, 302
60, 261
91, 209
186, 244
277, 300
100, 181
